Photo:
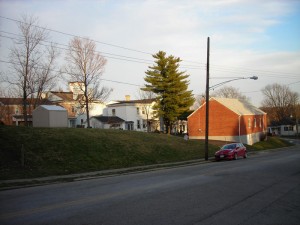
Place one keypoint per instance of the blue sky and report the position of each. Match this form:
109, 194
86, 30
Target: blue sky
248, 37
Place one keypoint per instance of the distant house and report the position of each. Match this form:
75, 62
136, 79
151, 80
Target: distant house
70, 101
107, 122
283, 130
229, 120
50, 116
137, 114
11, 110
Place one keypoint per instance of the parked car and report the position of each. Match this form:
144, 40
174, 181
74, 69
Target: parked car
231, 151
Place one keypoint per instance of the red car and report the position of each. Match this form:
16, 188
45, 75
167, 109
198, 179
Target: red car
231, 151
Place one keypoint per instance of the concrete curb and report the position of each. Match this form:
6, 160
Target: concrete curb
20, 183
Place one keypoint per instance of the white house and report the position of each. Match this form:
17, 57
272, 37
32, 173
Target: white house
137, 114
283, 130
50, 116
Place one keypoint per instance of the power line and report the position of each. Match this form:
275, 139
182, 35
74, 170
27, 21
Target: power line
199, 65
58, 71
73, 35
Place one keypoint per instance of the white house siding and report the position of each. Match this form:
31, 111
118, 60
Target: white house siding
96, 109
128, 112
249, 139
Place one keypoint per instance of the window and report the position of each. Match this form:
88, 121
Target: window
260, 122
249, 122
138, 110
288, 128
73, 109
138, 124
113, 112
144, 123
254, 122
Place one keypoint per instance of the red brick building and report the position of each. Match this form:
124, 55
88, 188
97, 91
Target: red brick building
229, 120
11, 110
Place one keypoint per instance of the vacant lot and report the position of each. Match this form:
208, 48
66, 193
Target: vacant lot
35, 152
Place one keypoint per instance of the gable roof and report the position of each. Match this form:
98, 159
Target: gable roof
19, 101
237, 106
141, 101
109, 119
64, 96
53, 107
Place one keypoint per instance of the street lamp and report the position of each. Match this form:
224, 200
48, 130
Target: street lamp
237, 78
207, 105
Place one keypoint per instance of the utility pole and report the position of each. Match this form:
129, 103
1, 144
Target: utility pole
207, 102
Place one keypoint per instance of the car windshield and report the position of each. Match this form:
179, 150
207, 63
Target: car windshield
225, 147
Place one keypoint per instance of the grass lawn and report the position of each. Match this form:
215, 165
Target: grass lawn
58, 151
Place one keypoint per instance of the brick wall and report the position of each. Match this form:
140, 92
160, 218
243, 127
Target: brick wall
224, 123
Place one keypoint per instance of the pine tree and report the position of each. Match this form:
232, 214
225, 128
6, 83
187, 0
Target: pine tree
170, 86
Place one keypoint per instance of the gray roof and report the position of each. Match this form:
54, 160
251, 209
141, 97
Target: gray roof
239, 107
109, 119
53, 107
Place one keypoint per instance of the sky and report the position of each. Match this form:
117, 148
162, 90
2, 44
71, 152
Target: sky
247, 38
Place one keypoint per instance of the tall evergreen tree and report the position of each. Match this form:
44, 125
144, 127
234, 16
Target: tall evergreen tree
170, 86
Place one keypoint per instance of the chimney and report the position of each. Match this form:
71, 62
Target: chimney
127, 97
203, 100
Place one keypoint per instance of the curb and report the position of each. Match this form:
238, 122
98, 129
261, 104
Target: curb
31, 182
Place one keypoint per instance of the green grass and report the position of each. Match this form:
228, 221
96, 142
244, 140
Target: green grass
59, 151
271, 143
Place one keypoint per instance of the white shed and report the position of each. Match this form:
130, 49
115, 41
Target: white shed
50, 116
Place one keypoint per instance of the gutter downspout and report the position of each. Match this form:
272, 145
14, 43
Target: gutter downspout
240, 128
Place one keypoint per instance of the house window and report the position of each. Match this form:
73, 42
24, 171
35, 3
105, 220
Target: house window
73, 109
113, 112
138, 124
17, 111
286, 128
254, 122
144, 123
249, 123
138, 110
260, 122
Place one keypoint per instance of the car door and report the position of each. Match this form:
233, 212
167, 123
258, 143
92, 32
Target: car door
239, 149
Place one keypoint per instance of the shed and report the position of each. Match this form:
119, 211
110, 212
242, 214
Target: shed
50, 116
229, 120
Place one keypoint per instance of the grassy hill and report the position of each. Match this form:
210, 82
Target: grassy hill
58, 151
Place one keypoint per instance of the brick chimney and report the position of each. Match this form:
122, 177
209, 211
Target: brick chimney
127, 97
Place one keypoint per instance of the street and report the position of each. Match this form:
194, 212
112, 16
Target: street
262, 189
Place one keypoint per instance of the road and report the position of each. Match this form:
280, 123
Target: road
263, 189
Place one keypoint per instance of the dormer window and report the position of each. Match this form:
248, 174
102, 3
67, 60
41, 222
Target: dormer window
113, 112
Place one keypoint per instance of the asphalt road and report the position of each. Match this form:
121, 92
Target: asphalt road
263, 189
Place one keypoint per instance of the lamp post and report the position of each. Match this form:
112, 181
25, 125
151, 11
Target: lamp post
207, 105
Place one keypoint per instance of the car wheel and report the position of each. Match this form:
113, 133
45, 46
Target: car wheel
245, 155
235, 156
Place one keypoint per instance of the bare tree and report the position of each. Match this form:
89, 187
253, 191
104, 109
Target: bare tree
147, 97
225, 92
230, 92
279, 101
86, 66
32, 62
